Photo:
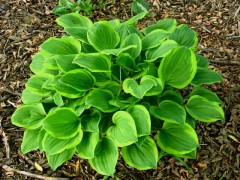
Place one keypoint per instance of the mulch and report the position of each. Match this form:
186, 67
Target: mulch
25, 24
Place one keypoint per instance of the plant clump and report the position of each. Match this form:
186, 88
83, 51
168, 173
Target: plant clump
107, 86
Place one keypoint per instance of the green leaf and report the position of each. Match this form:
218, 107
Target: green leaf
185, 36
206, 76
29, 142
99, 99
94, 62
161, 51
65, 90
79, 79
102, 36
37, 64
74, 20
62, 123
58, 99
58, 159
53, 145
178, 68
169, 111
136, 18
167, 24
157, 88
154, 39
204, 110
141, 155
35, 84
28, 97
138, 91
65, 63
211, 96
202, 61
63, 46
90, 123
105, 157
40, 138
132, 39
139, 6
172, 96
124, 30
88, 144
126, 61
79, 33
177, 139
190, 155
29, 116
114, 87
141, 118
124, 130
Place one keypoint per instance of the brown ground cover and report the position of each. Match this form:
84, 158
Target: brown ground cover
25, 24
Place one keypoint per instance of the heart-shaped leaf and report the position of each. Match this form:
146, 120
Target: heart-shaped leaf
177, 139
53, 145
29, 116
105, 157
211, 96
88, 144
63, 46
94, 62
57, 159
157, 88
99, 99
161, 51
138, 91
172, 96
169, 111
90, 122
62, 123
36, 82
206, 76
132, 39
63, 89
28, 97
141, 155
102, 36
178, 68
167, 24
29, 142
79, 79
204, 110
141, 118
154, 39
184, 36
74, 20
65, 63
124, 130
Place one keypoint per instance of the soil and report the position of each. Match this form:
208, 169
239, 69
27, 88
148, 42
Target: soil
25, 24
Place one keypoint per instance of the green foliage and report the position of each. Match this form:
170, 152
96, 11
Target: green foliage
108, 86
68, 6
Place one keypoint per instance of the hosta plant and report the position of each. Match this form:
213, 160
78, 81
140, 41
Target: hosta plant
108, 89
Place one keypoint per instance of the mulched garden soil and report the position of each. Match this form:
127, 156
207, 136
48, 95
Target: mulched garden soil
25, 24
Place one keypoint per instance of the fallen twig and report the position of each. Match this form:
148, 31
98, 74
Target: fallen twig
5, 140
34, 164
9, 169
11, 92
233, 63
